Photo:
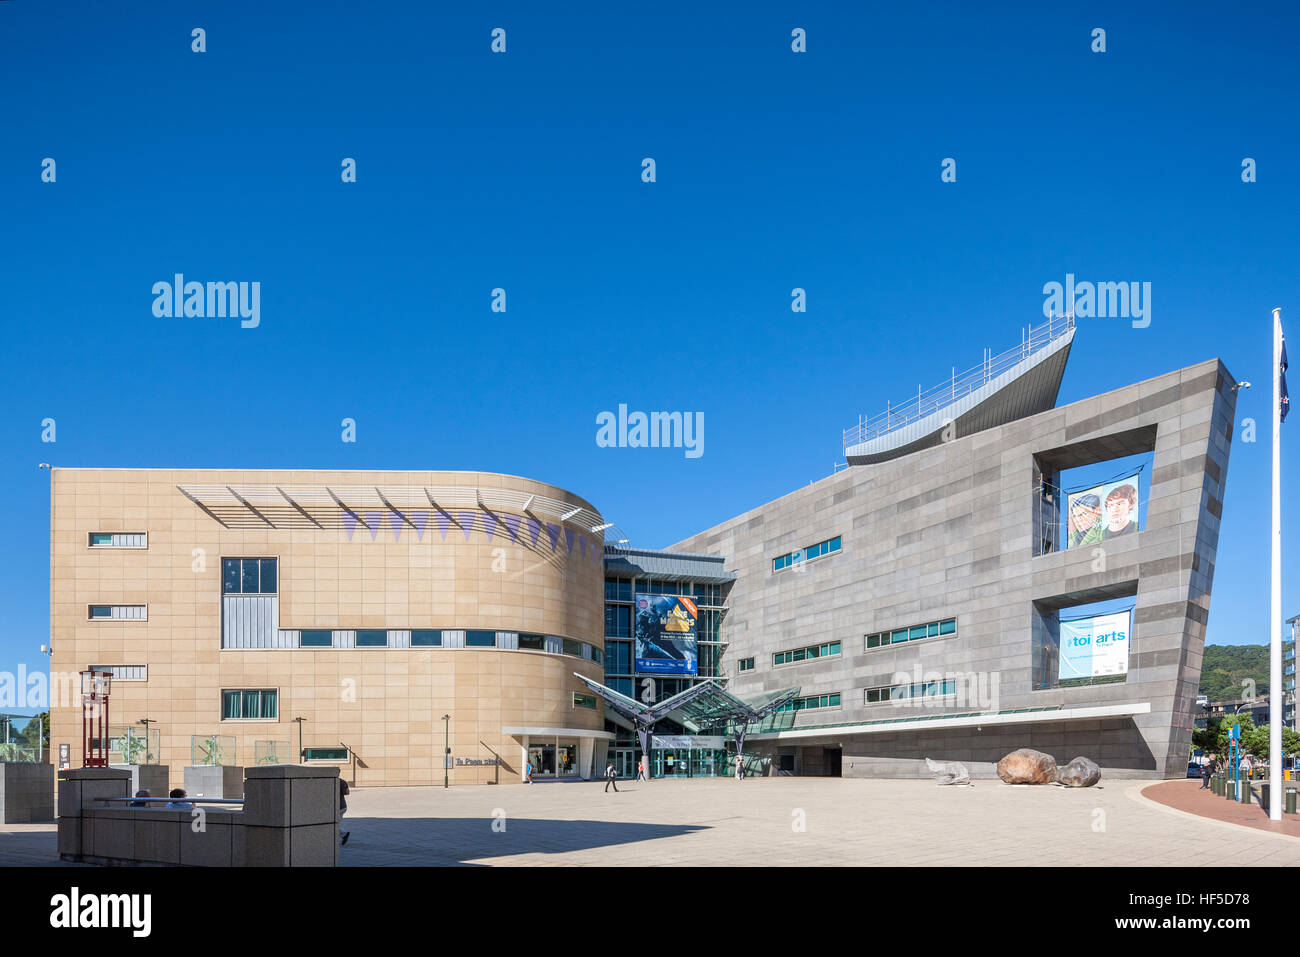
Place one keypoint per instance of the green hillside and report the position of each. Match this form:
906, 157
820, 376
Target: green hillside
1225, 667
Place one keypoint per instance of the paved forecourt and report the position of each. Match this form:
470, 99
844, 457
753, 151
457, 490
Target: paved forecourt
756, 823
770, 821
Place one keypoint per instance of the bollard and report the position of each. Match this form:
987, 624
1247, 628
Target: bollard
1290, 800
1245, 791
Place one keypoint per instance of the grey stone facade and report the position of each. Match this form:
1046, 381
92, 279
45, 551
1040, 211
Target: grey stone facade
956, 531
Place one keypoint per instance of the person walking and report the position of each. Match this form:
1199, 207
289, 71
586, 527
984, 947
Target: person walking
1206, 770
640, 770
611, 778
740, 768
528, 773
344, 790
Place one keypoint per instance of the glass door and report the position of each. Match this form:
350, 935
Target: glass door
543, 758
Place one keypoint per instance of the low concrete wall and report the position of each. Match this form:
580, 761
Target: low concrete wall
289, 819
26, 793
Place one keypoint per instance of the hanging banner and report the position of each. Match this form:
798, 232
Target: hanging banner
1102, 512
1096, 646
666, 635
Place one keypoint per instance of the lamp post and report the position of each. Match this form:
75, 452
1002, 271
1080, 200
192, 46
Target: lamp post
146, 722
298, 722
446, 750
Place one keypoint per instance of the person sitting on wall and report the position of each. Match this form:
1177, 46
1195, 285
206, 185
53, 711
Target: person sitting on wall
1119, 507
177, 802
142, 793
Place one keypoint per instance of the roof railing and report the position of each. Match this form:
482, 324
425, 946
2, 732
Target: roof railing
960, 385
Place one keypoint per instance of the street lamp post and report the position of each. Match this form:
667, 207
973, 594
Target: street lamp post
298, 722
146, 722
446, 749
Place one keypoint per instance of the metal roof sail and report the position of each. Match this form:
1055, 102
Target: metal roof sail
1019, 382
330, 506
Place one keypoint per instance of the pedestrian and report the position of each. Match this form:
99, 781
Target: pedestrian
610, 778
178, 802
142, 793
343, 808
528, 773
1206, 771
740, 768
640, 771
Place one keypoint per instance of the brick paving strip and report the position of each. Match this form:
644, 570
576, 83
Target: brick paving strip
1187, 796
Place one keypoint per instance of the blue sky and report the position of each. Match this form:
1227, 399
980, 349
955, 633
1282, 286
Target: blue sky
522, 170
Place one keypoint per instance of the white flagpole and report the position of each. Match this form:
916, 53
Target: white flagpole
1275, 617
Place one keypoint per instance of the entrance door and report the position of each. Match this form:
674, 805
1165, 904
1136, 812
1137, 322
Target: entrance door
832, 759
543, 758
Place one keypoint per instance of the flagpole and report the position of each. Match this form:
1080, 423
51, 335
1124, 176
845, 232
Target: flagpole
1275, 617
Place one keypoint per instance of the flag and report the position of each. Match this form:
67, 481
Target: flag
1284, 400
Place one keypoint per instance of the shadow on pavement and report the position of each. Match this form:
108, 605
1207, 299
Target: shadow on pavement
405, 842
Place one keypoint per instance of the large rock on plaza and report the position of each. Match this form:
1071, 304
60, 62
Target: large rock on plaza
1027, 766
1079, 773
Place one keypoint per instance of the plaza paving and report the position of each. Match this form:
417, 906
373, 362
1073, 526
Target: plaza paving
730, 823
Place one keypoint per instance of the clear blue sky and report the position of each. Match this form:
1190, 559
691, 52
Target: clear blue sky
522, 171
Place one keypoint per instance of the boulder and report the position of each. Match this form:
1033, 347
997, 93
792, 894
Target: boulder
1027, 766
948, 772
1079, 773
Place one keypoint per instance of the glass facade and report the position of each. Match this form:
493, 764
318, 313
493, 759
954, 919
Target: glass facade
621, 676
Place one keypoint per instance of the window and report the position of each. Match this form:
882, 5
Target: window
316, 639
250, 705
248, 576
622, 685
372, 638
618, 658
584, 701
618, 589
618, 621
480, 639
569, 646
746, 664
925, 689
324, 754
532, 642
116, 612
807, 554
811, 702
124, 672
119, 539
426, 638
933, 629
804, 654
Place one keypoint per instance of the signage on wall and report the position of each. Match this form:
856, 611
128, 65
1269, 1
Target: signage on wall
666, 635
1095, 646
65, 757
477, 762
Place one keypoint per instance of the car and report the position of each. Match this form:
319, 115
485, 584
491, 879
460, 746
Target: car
1193, 769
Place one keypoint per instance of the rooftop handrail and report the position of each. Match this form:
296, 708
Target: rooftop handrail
961, 384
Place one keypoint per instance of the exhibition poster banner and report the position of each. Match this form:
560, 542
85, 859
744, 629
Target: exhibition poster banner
1102, 512
665, 635
1095, 646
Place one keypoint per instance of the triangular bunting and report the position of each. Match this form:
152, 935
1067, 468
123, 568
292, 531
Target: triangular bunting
443, 521
419, 519
466, 524
554, 532
372, 523
512, 526
534, 528
568, 539
395, 520
489, 524
349, 523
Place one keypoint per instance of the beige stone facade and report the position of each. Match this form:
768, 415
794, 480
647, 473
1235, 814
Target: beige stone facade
354, 550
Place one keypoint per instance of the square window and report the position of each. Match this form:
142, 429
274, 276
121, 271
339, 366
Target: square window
569, 646
101, 538
426, 638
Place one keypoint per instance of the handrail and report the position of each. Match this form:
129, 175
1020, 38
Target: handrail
169, 800
960, 385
